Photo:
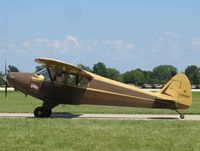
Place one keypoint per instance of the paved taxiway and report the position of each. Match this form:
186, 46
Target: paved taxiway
105, 116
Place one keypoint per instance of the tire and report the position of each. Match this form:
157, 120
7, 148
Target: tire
39, 112
48, 113
182, 116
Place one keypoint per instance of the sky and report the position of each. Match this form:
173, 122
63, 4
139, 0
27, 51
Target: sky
123, 34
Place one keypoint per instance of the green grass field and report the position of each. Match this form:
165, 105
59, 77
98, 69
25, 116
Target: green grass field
98, 135
16, 102
57, 134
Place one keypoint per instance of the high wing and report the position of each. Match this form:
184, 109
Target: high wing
70, 68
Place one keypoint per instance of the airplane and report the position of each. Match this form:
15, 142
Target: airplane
63, 83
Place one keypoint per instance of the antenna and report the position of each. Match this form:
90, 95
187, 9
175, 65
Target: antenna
75, 60
5, 72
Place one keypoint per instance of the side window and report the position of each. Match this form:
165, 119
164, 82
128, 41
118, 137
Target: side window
76, 80
82, 82
71, 80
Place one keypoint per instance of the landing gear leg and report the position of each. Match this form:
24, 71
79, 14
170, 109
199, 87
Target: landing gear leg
181, 114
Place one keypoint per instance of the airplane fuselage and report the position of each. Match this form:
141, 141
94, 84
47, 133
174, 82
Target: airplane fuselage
62, 83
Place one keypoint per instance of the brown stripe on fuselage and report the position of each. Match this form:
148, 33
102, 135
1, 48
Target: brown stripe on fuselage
164, 104
181, 106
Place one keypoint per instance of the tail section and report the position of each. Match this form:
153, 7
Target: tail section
179, 90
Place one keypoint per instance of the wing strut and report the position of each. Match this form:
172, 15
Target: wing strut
50, 75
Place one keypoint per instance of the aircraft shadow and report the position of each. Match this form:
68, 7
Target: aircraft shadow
64, 115
163, 118
67, 115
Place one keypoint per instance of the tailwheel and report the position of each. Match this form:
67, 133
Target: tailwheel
40, 112
182, 116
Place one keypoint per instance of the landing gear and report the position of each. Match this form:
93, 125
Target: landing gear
40, 112
46, 109
48, 113
181, 115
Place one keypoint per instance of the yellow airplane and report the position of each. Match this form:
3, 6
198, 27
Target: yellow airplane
63, 83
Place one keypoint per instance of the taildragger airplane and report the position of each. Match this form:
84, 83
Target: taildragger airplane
63, 83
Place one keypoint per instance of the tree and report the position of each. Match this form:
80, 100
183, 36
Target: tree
100, 69
127, 77
193, 73
163, 73
12, 68
87, 68
136, 77
113, 74
148, 75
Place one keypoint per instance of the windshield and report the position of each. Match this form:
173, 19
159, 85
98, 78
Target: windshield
43, 74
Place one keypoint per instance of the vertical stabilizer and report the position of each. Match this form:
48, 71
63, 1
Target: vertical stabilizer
180, 89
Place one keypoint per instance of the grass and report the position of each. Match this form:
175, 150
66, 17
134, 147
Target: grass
98, 135
16, 102
57, 134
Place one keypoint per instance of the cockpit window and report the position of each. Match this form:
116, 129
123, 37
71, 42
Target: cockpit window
77, 80
71, 80
43, 74
82, 82
61, 77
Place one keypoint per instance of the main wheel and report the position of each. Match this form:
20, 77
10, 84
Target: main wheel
48, 113
39, 112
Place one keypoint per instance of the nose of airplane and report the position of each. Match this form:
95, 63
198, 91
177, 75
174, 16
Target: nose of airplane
19, 81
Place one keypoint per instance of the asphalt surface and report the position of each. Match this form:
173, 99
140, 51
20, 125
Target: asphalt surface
105, 116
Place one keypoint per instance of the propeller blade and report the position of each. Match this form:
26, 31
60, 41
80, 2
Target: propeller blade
6, 89
4, 78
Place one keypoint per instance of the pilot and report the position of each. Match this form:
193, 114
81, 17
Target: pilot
59, 76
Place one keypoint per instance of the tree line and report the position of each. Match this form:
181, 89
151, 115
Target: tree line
155, 78
138, 77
